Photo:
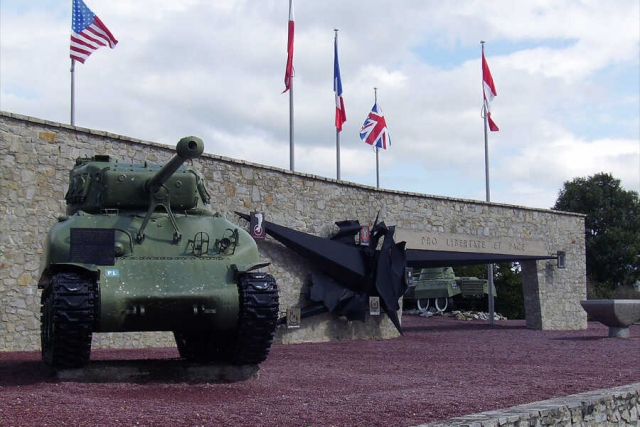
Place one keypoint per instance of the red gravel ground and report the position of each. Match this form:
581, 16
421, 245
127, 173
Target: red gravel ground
442, 368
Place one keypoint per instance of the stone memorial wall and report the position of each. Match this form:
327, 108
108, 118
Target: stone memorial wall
36, 156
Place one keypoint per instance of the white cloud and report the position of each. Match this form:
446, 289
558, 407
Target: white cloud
566, 73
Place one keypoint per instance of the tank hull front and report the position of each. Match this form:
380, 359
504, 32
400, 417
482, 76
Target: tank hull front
167, 294
158, 283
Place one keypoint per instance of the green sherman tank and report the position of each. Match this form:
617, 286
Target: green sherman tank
433, 284
440, 286
141, 250
474, 292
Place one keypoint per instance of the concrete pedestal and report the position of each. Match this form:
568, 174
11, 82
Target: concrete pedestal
617, 314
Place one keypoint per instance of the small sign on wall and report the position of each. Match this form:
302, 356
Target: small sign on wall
256, 224
364, 236
374, 306
293, 317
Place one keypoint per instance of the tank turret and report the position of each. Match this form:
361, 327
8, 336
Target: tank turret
102, 182
117, 262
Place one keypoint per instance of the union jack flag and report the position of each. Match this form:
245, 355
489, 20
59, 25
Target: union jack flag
374, 130
88, 33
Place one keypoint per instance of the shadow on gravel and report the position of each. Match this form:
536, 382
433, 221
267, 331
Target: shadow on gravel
145, 371
462, 326
16, 371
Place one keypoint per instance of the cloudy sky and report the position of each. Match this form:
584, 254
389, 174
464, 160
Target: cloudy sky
567, 75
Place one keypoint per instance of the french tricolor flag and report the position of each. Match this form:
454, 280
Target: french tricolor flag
341, 115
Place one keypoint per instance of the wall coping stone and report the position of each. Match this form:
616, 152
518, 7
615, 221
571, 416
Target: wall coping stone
580, 409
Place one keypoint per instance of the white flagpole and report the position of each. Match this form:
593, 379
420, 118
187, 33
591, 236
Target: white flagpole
337, 130
486, 143
291, 157
291, 149
73, 107
488, 194
375, 97
337, 154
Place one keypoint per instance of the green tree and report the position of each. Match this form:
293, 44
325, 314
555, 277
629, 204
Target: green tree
507, 278
612, 228
476, 270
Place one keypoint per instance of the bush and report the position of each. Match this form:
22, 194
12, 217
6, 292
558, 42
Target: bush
625, 292
510, 301
598, 290
603, 291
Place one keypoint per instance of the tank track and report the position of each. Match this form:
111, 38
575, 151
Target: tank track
251, 341
67, 320
258, 318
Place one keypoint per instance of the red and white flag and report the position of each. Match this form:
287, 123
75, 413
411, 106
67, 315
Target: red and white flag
289, 70
489, 92
88, 33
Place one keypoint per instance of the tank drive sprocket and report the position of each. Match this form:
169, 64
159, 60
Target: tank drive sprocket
68, 315
251, 341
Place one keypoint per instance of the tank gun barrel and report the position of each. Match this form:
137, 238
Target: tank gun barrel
189, 147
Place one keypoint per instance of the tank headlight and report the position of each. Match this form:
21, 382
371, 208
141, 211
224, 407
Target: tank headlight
224, 244
119, 249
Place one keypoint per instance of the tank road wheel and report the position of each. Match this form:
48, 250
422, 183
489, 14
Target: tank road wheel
258, 318
67, 320
442, 304
423, 304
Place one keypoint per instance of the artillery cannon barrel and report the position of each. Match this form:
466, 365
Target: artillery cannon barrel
189, 147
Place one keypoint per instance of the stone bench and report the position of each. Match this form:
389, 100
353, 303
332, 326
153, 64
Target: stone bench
617, 314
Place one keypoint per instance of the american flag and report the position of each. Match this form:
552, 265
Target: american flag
374, 130
88, 33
